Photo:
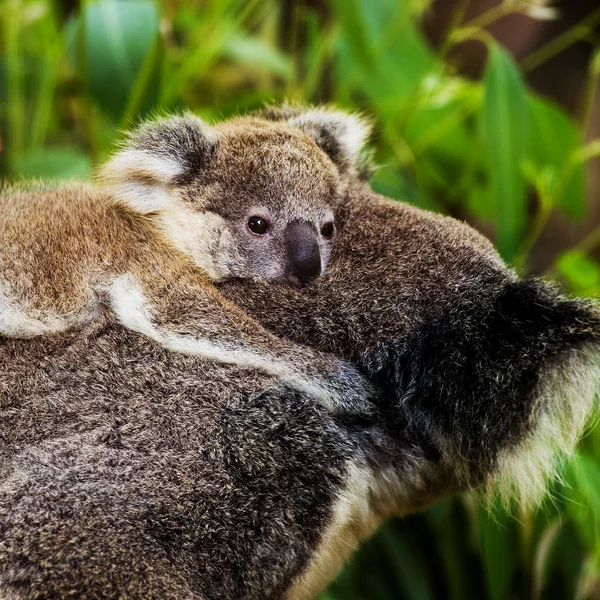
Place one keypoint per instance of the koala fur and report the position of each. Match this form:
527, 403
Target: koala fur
130, 469
199, 185
170, 219
176, 185
495, 372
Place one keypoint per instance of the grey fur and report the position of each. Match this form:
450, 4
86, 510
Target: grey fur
203, 183
131, 471
171, 218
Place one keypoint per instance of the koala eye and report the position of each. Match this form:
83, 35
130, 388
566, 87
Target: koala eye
328, 230
258, 225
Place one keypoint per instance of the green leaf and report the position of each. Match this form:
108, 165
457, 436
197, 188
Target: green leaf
439, 131
595, 63
453, 529
390, 182
438, 118
375, 41
505, 130
581, 272
544, 555
53, 164
410, 565
499, 544
248, 50
554, 141
584, 507
110, 43
479, 202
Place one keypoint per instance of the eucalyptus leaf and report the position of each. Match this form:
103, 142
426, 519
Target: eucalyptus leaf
580, 271
505, 121
110, 42
584, 507
498, 545
249, 50
372, 51
554, 141
410, 565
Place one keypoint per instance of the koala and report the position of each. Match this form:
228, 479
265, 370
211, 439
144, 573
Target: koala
130, 469
182, 205
248, 198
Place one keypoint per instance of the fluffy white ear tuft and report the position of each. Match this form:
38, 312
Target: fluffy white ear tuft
155, 157
142, 165
341, 135
140, 179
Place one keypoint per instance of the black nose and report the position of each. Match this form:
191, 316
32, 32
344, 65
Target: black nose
303, 255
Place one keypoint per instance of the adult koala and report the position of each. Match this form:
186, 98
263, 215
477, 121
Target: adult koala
131, 471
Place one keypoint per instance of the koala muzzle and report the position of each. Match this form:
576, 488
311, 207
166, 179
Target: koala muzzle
303, 253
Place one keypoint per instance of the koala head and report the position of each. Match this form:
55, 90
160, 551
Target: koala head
253, 197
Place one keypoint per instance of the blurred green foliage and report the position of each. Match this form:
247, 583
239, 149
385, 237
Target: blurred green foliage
491, 151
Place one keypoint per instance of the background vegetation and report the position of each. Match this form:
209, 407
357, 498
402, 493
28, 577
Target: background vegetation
490, 150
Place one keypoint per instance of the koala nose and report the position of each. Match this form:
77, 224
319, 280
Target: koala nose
303, 254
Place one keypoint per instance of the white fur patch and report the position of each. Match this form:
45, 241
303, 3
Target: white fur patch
351, 131
196, 234
566, 397
192, 232
139, 178
142, 198
16, 322
141, 164
131, 308
352, 521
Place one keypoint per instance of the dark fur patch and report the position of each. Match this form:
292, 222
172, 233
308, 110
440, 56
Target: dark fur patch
327, 137
264, 451
466, 381
182, 139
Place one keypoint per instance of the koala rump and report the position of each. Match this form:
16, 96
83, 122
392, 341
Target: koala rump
494, 375
131, 471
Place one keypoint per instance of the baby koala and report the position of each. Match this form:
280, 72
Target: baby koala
248, 198
180, 206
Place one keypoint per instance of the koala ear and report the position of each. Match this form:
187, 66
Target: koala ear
159, 154
341, 135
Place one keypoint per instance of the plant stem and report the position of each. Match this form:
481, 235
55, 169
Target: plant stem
473, 33
454, 22
578, 32
539, 223
589, 242
589, 98
490, 16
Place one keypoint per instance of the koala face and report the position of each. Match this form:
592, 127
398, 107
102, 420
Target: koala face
263, 243
275, 192
250, 198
